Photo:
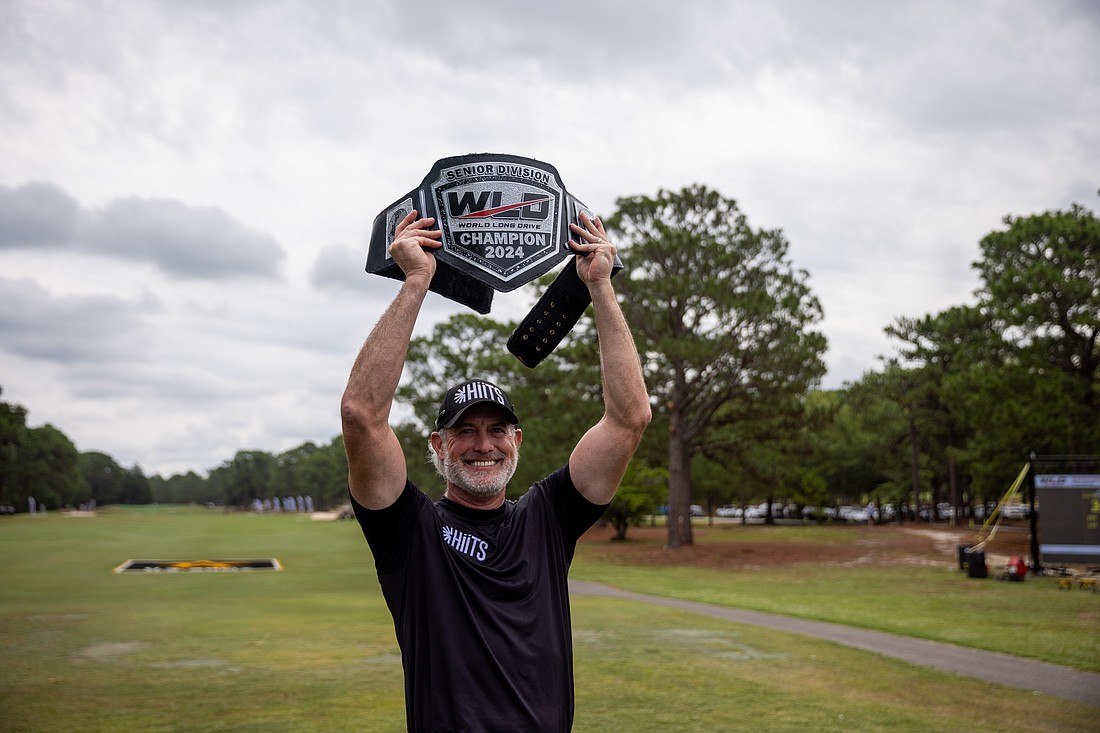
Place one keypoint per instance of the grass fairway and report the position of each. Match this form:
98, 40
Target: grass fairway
929, 601
311, 648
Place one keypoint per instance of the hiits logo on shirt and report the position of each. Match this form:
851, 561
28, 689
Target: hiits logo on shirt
466, 543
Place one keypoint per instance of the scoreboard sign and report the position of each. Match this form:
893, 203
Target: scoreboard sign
1069, 517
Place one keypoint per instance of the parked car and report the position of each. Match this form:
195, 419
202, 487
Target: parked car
728, 510
853, 514
1016, 511
981, 511
698, 511
753, 512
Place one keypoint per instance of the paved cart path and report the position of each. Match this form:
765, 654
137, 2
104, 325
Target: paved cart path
1051, 679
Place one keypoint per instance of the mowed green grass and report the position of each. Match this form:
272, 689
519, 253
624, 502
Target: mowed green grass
1030, 619
311, 648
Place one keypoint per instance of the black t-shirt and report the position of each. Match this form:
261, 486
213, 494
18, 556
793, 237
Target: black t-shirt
480, 605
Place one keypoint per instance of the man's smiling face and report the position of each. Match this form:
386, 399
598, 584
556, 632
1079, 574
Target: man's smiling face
478, 456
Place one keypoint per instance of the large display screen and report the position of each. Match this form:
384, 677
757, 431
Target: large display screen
1069, 517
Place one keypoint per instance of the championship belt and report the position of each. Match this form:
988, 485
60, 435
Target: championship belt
505, 221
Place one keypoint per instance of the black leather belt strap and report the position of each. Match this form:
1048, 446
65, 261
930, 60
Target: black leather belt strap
505, 221
557, 311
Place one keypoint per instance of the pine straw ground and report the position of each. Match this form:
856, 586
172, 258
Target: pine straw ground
734, 546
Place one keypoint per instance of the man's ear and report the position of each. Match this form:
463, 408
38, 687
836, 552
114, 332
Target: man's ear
437, 443
519, 436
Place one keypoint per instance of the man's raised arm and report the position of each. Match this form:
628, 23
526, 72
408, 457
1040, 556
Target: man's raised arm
376, 463
599, 460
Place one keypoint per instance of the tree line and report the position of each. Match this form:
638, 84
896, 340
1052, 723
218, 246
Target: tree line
727, 329
42, 468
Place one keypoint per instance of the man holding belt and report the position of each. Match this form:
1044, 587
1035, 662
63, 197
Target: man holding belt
476, 584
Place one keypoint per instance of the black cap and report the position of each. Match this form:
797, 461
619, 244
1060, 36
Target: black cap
466, 395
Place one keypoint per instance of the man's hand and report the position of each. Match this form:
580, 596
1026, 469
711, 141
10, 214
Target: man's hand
411, 242
598, 254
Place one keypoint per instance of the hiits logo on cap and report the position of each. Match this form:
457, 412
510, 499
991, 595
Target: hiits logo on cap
480, 391
466, 395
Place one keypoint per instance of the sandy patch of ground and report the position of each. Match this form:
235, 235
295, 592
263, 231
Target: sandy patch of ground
112, 650
749, 547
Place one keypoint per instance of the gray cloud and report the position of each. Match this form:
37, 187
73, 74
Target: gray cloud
36, 214
937, 66
36, 324
340, 268
182, 241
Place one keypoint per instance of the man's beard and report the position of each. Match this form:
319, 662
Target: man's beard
476, 483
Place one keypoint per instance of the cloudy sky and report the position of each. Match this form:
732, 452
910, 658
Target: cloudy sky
187, 187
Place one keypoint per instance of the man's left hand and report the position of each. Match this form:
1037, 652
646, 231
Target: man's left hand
597, 253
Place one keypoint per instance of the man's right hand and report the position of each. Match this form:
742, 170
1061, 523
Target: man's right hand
411, 244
